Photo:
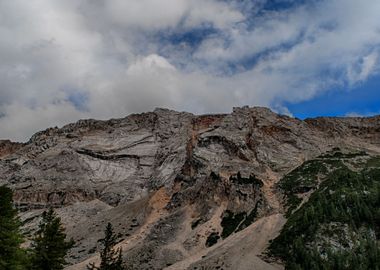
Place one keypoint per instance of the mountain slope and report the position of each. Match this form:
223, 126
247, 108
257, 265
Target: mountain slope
335, 223
184, 191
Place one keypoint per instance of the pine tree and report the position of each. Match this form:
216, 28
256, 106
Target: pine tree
110, 257
49, 246
12, 257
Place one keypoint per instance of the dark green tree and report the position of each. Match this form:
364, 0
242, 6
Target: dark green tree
110, 258
49, 246
12, 257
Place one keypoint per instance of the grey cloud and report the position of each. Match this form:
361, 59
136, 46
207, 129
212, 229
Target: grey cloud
106, 51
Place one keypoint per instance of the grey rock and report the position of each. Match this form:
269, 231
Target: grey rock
154, 174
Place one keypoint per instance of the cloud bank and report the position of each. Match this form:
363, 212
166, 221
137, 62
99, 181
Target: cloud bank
65, 60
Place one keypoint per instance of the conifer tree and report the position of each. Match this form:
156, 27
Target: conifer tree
49, 246
12, 257
110, 257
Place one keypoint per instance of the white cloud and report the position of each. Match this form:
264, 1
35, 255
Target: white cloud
20, 120
110, 52
156, 14
363, 69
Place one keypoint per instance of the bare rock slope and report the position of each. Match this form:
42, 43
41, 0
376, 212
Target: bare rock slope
183, 191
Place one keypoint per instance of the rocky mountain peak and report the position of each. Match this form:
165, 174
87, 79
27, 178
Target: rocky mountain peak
170, 180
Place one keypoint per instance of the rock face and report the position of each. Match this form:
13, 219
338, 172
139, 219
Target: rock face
184, 191
7, 147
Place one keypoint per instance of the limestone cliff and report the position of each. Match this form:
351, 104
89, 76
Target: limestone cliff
185, 191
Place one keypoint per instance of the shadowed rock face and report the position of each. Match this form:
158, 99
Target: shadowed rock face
167, 180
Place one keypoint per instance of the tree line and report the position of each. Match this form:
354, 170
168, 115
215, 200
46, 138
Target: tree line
49, 246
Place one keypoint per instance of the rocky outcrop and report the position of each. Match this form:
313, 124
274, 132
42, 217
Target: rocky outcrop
168, 180
7, 147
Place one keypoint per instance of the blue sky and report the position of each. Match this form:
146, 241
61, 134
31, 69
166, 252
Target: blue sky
66, 60
363, 100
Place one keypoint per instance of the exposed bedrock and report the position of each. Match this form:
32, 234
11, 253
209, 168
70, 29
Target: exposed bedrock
181, 189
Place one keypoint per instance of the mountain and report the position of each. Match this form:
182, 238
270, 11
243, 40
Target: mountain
246, 190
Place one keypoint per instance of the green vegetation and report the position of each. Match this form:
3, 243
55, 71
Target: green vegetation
338, 227
49, 246
336, 153
307, 177
251, 180
212, 239
230, 222
301, 180
250, 218
374, 162
110, 257
236, 222
12, 257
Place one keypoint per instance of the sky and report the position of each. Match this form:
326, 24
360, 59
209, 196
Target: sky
61, 61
